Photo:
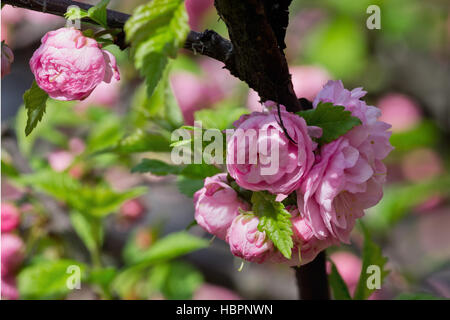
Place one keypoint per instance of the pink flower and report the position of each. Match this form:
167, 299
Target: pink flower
69, 66
9, 288
399, 110
60, 160
196, 9
11, 252
348, 174
267, 159
10, 217
7, 59
132, 209
422, 164
216, 205
105, 94
246, 241
211, 292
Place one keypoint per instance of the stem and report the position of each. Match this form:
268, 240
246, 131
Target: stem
312, 279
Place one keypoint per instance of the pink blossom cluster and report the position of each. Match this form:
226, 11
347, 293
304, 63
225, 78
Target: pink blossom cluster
333, 183
12, 250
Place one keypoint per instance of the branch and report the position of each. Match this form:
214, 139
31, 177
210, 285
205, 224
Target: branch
312, 279
253, 55
257, 58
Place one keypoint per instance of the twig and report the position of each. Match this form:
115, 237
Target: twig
312, 279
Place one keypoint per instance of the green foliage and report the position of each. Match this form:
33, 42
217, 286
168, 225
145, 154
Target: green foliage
142, 141
335, 121
161, 168
176, 281
400, 199
371, 255
188, 186
274, 220
156, 31
46, 279
35, 100
220, 118
337, 284
97, 201
89, 229
426, 134
340, 46
169, 247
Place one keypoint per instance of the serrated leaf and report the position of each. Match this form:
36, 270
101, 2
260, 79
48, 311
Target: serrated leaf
274, 220
156, 31
46, 279
98, 13
335, 121
372, 255
170, 247
337, 284
35, 100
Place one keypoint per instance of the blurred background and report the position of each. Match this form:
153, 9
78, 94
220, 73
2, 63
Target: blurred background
404, 66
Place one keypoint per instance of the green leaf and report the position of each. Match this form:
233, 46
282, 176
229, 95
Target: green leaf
75, 13
35, 100
89, 229
107, 133
142, 141
199, 171
335, 121
46, 279
219, 118
102, 277
371, 255
170, 247
157, 167
176, 281
274, 220
98, 13
337, 284
156, 31
97, 201
188, 186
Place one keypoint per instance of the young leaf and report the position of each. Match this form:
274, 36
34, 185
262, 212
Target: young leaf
335, 121
274, 220
75, 13
337, 284
35, 100
47, 279
142, 141
372, 256
156, 31
170, 247
98, 13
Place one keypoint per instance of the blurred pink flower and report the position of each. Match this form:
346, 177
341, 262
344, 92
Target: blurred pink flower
195, 10
12, 253
216, 205
11, 15
421, 164
10, 217
349, 267
69, 66
399, 110
307, 82
211, 292
60, 160
7, 59
132, 209
9, 288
